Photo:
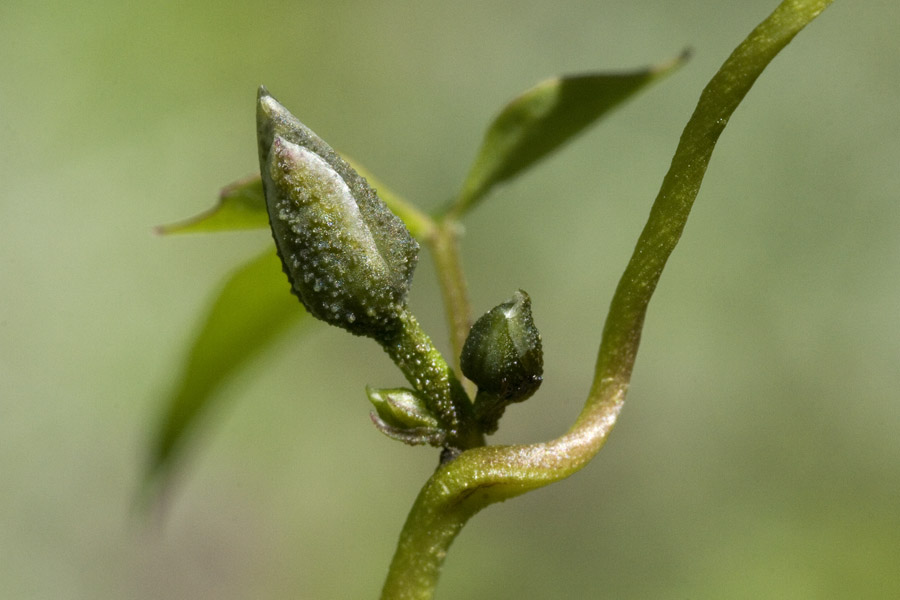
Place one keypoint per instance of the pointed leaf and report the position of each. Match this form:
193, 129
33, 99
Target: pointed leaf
544, 118
253, 307
242, 205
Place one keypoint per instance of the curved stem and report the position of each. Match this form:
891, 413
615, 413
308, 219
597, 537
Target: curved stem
484, 475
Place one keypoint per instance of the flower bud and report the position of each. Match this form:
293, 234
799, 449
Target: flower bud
404, 416
349, 259
503, 356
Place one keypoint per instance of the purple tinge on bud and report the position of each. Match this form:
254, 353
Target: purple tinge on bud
349, 259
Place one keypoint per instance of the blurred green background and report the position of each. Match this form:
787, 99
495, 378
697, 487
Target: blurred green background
758, 453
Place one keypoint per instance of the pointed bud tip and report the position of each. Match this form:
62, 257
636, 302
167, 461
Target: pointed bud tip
268, 106
519, 301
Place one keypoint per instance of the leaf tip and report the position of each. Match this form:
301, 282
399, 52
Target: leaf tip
686, 54
153, 494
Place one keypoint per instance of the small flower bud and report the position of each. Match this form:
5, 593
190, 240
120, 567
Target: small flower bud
404, 416
503, 356
349, 259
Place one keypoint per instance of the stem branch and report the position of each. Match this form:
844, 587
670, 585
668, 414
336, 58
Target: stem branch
426, 370
488, 474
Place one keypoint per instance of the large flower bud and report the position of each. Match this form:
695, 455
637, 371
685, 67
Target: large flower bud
503, 356
349, 259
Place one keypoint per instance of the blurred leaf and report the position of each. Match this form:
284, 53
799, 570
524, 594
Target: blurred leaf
544, 118
253, 307
241, 205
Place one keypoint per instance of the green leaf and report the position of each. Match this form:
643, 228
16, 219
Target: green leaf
253, 307
544, 118
241, 205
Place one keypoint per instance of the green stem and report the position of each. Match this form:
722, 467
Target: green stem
444, 245
428, 372
485, 475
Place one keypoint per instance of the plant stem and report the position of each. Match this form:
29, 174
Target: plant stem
489, 474
483, 476
426, 370
444, 245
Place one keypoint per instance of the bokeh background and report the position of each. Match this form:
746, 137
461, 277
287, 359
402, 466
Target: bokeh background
758, 453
